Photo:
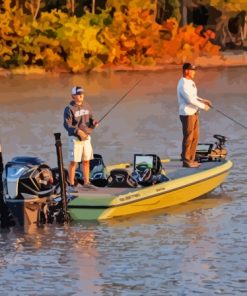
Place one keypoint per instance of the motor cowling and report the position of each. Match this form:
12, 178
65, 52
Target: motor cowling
26, 178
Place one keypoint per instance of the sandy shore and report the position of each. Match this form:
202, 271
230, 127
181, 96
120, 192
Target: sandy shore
226, 59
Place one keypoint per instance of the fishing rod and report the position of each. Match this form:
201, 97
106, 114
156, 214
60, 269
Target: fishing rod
125, 95
227, 116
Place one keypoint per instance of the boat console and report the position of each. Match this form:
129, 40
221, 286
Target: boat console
147, 171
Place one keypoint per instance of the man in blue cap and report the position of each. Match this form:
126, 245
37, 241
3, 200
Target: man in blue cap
189, 105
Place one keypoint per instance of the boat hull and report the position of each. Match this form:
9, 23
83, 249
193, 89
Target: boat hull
192, 183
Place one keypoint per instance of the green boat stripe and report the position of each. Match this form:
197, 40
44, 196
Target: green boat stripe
147, 197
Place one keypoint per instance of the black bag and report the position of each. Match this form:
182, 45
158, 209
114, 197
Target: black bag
121, 178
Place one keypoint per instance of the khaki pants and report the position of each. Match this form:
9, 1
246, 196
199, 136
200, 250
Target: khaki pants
190, 126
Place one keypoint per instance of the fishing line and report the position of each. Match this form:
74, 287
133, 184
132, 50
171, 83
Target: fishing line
227, 116
119, 100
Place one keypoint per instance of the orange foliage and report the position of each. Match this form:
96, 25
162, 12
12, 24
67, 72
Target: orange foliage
188, 42
133, 37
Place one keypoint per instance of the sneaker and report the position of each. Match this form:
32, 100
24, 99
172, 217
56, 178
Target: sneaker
72, 189
89, 186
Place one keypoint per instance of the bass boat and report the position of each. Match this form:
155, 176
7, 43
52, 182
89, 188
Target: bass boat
179, 185
35, 193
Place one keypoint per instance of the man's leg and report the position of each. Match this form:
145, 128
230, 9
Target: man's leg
87, 155
195, 137
72, 168
86, 171
74, 156
188, 134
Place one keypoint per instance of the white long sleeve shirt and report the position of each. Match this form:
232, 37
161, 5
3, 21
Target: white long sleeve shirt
187, 97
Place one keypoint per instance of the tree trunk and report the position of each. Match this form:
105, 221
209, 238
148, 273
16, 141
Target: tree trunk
155, 10
93, 6
184, 12
37, 9
72, 7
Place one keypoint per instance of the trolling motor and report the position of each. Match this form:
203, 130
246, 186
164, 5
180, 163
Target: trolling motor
212, 152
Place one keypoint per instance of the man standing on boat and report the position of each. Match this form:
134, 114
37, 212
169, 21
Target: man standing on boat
189, 105
79, 123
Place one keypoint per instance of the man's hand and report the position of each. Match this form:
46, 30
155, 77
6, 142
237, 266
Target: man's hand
95, 123
208, 102
82, 135
207, 107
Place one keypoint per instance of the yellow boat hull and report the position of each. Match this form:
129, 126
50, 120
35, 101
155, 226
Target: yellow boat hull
166, 194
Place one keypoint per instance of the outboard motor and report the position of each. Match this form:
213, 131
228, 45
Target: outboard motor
27, 178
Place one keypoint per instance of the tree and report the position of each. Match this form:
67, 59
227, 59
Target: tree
228, 8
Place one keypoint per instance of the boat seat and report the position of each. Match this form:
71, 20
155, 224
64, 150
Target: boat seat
121, 178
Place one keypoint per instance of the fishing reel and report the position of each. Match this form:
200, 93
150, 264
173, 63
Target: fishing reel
212, 152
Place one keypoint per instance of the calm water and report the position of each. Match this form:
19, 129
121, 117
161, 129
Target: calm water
198, 248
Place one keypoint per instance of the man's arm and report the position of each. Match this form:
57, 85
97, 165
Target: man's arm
185, 92
190, 98
68, 121
207, 102
82, 135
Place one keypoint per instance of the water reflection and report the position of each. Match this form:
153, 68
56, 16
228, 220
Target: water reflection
67, 254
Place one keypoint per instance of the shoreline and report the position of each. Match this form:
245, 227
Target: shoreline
226, 59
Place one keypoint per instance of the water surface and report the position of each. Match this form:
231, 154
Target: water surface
198, 248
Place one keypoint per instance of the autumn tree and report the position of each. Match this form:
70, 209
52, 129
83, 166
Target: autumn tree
228, 9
